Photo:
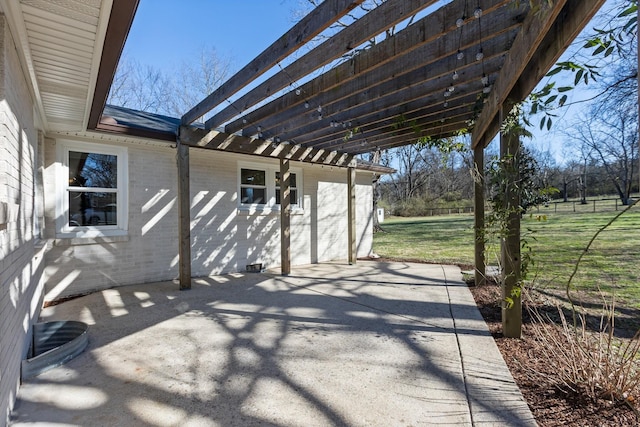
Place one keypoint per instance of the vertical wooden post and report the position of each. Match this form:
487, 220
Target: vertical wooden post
184, 217
510, 247
478, 191
351, 213
285, 217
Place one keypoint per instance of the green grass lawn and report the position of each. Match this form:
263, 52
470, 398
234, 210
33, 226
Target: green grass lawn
613, 263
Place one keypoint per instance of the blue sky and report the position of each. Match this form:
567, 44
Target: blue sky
167, 32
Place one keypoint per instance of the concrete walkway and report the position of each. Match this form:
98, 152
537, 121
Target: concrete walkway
374, 344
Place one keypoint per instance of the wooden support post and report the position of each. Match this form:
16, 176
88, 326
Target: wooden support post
510, 245
480, 262
184, 217
285, 217
351, 213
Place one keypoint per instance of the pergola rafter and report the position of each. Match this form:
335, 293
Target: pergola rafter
412, 84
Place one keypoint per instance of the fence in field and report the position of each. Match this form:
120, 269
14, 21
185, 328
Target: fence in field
571, 206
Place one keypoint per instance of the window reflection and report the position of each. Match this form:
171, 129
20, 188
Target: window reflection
91, 208
93, 170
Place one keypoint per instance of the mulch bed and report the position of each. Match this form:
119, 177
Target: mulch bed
550, 406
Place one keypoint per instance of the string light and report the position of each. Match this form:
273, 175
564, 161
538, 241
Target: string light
480, 55
455, 75
478, 12
460, 54
306, 104
484, 79
298, 92
459, 22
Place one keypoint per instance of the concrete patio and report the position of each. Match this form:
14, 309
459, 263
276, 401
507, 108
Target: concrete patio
372, 344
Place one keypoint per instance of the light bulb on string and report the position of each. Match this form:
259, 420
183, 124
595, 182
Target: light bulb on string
484, 79
451, 88
460, 54
479, 55
460, 22
446, 104
298, 92
477, 13
455, 75
319, 108
447, 94
306, 104
486, 89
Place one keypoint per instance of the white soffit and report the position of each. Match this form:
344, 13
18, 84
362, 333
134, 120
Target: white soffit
61, 43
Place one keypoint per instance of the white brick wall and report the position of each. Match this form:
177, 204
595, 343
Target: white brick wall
223, 239
20, 260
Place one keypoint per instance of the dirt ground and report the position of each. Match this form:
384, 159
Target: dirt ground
550, 406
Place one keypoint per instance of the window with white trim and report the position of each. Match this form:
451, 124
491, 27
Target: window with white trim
259, 187
92, 200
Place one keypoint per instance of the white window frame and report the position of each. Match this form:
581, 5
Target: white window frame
63, 228
270, 174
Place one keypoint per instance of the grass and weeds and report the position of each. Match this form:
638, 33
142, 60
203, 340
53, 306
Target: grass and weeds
556, 240
582, 373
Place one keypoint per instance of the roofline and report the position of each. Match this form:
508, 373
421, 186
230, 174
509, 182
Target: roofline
124, 131
120, 20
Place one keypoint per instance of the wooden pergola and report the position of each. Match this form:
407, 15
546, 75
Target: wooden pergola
458, 67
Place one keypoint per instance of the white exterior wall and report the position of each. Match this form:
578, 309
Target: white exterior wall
224, 239
20, 255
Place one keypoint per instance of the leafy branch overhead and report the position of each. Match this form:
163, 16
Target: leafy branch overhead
587, 63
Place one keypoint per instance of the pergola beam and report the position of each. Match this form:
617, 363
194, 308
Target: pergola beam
539, 44
356, 105
378, 20
214, 140
408, 103
184, 217
382, 57
285, 217
320, 18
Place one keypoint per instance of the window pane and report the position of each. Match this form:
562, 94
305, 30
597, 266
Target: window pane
252, 177
88, 208
293, 179
93, 170
253, 195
